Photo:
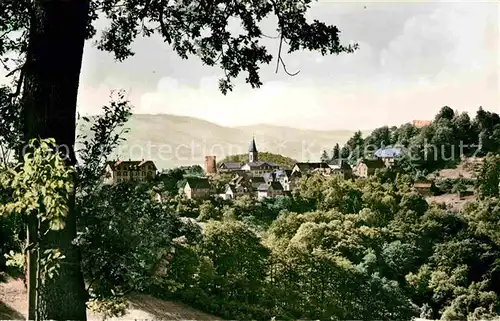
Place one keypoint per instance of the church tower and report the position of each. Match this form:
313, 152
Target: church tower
253, 154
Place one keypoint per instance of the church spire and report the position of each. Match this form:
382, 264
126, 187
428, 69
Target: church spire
253, 146
252, 151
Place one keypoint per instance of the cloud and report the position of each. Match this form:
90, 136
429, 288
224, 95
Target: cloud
244, 106
414, 58
454, 39
317, 106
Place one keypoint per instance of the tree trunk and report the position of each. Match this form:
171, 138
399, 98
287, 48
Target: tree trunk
51, 79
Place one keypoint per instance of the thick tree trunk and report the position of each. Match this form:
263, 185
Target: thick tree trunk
52, 70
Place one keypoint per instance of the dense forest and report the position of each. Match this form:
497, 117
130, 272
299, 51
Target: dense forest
439, 145
335, 249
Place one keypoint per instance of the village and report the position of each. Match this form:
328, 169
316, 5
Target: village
262, 179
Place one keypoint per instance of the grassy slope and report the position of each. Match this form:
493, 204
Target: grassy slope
141, 307
283, 161
176, 140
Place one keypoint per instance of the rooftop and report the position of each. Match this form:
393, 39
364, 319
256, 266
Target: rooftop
198, 182
388, 152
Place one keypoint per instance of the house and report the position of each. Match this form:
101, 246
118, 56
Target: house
230, 167
120, 171
269, 190
247, 184
255, 182
230, 192
388, 155
285, 178
233, 191
367, 167
341, 168
197, 188
305, 167
259, 168
327, 172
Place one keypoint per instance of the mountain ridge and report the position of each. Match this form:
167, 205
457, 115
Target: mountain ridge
172, 140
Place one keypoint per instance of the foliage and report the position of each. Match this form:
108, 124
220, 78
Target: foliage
41, 187
489, 177
324, 156
219, 181
111, 307
335, 249
335, 152
168, 181
439, 145
208, 212
451, 185
194, 170
15, 260
191, 28
282, 161
121, 248
181, 25
354, 148
106, 131
10, 125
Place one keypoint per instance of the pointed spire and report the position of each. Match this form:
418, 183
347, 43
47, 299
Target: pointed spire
253, 147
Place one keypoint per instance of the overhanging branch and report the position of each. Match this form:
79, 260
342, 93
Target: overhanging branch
280, 60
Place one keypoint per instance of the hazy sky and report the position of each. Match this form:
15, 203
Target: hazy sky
414, 57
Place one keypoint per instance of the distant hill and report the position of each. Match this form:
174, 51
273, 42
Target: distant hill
173, 141
283, 161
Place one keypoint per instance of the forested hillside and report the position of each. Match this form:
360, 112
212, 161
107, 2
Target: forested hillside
439, 145
337, 249
283, 161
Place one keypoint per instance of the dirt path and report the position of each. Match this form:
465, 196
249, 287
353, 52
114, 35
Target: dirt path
142, 307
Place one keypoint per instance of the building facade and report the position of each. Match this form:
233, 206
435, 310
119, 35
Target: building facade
388, 155
121, 171
269, 190
307, 167
197, 188
367, 167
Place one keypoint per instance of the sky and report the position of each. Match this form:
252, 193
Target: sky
414, 58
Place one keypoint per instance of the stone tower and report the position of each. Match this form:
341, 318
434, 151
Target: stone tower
253, 154
210, 165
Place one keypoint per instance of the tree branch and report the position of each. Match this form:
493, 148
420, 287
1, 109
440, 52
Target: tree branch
279, 53
115, 6
280, 60
163, 27
13, 71
5, 33
19, 82
4, 65
282, 39
270, 37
